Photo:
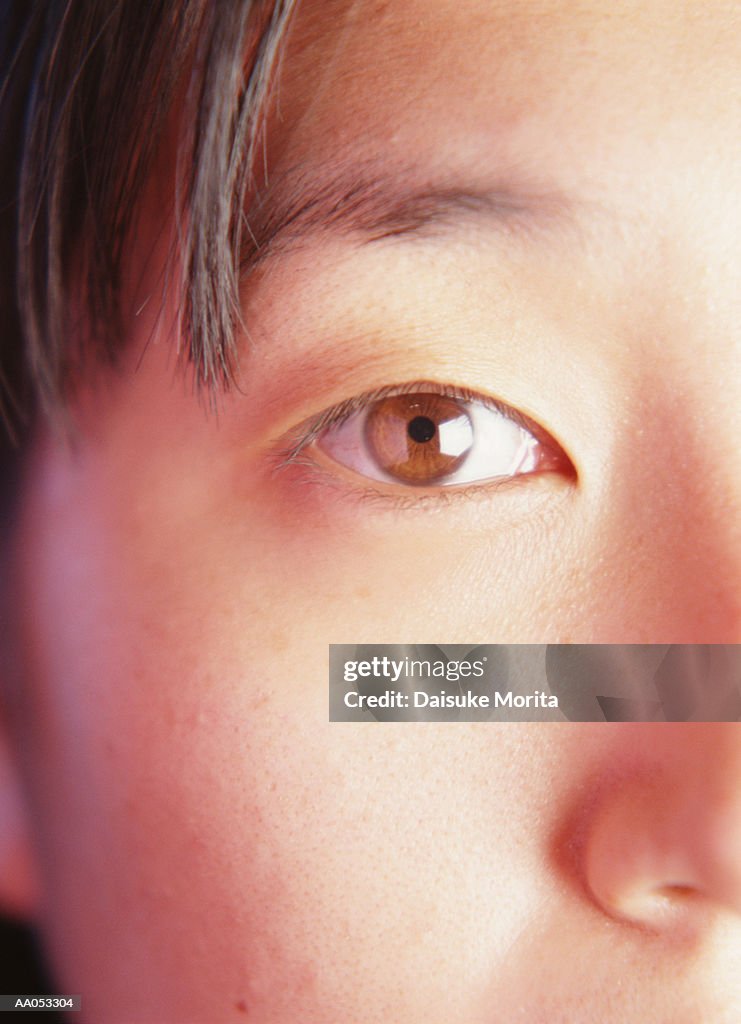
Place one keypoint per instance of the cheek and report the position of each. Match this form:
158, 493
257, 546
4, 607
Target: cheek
200, 808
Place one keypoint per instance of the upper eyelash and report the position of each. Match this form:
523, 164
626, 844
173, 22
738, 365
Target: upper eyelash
307, 432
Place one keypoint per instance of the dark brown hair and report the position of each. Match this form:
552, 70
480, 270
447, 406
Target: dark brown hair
86, 90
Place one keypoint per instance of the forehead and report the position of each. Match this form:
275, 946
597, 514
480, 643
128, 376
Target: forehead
515, 81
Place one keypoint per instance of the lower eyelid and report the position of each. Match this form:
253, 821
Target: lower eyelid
312, 473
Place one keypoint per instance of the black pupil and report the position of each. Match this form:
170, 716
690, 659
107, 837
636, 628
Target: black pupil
421, 429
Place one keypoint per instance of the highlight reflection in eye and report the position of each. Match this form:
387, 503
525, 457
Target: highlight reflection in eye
425, 435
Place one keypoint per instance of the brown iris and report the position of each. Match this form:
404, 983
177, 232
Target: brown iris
419, 438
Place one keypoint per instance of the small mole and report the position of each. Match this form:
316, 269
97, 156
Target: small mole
241, 1006
421, 429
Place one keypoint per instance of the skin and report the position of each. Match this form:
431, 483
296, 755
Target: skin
197, 842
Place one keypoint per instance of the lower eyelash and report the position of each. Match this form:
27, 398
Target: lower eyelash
387, 497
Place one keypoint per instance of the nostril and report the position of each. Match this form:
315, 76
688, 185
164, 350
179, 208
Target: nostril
674, 898
675, 908
679, 891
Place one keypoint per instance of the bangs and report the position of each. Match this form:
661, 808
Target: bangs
87, 91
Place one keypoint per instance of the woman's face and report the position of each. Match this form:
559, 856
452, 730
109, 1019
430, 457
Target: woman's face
535, 203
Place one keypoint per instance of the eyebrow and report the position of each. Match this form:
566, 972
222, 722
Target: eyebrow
375, 206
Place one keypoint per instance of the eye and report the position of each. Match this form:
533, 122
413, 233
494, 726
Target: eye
429, 438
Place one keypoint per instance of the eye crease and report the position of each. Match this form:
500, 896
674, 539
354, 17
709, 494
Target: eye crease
427, 435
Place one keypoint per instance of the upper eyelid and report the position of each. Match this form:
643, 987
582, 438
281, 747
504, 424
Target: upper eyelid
306, 432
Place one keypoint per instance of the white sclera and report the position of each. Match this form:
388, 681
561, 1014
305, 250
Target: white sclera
497, 447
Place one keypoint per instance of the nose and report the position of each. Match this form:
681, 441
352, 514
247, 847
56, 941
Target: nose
672, 513
663, 844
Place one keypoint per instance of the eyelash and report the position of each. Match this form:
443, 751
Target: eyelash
291, 448
338, 414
